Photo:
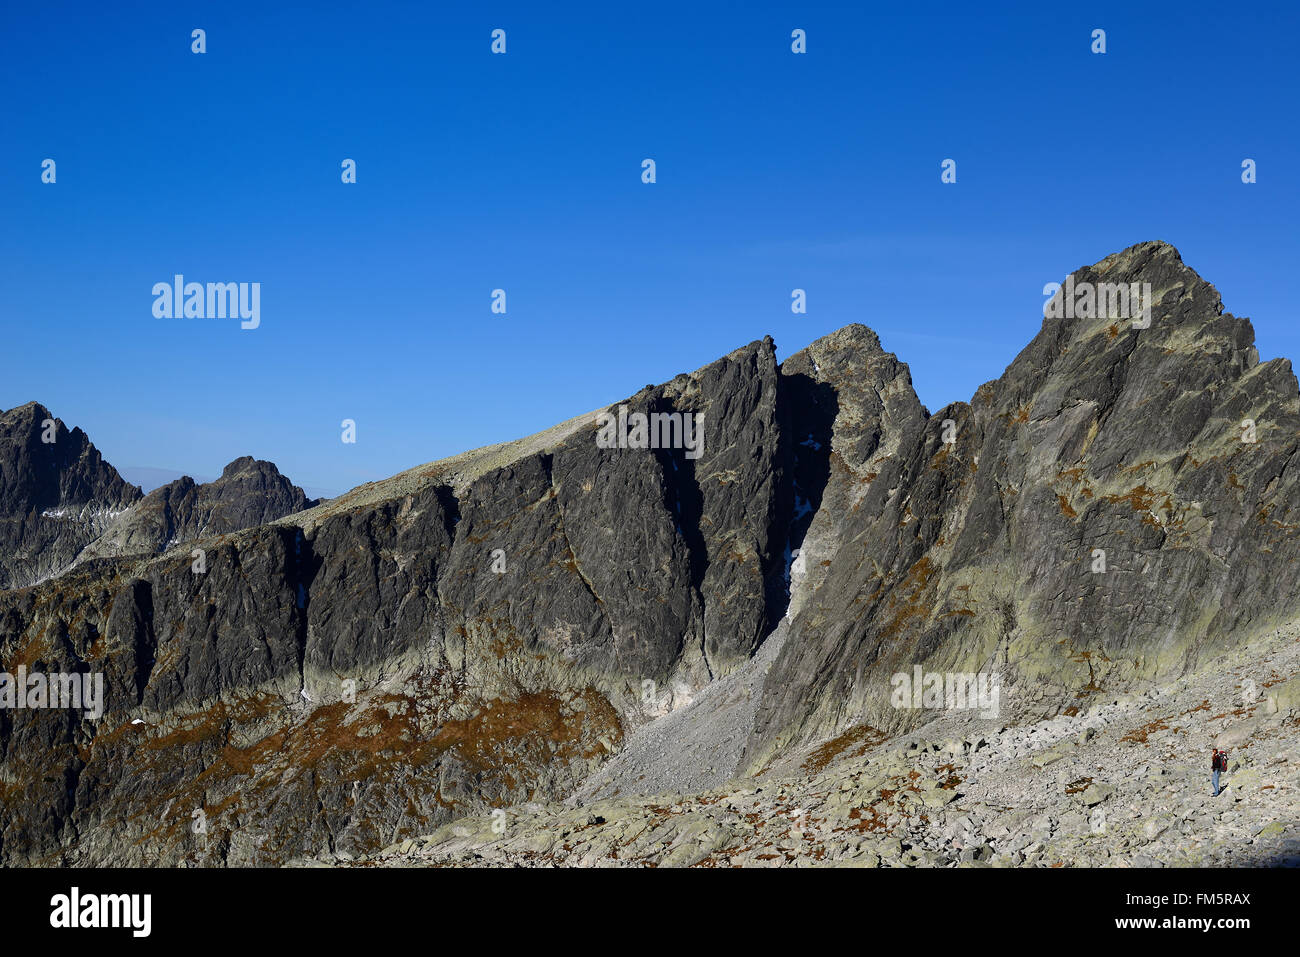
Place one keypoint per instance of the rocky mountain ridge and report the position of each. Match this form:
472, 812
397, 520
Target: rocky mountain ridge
61, 504
57, 494
551, 618
249, 493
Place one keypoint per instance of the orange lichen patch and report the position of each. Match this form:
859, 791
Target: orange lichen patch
1066, 509
1071, 711
505, 646
1236, 713
1074, 474
1078, 786
29, 653
1112, 330
1203, 706
98, 649
1091, 687
200, 726
381, 738
1139, 499
868, 819
1139, 735
1022, 414
905, 600
1235, 482
950, 780
1264, 517
538, 724
854, 742
375, 739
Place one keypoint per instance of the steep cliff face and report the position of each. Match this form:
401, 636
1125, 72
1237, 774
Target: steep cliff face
475, 632
487, 630
1120, 502
56, 494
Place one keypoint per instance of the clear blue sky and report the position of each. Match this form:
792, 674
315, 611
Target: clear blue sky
523, 171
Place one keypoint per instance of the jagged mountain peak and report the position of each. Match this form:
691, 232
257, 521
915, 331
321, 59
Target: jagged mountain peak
56, 494
246, 463
249, 493
31, 409
1155, 451
1093, 520
62, 504
26, 424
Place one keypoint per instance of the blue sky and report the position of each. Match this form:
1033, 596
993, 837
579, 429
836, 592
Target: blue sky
478, 171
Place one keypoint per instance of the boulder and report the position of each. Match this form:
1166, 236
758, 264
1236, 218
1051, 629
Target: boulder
1284, 698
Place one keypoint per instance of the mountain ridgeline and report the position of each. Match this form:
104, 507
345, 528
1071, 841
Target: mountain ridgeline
487, 630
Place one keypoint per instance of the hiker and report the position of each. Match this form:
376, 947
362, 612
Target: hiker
1218, 762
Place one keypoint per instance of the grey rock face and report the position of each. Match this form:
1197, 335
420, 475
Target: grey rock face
985, 554
392, 657
55, 496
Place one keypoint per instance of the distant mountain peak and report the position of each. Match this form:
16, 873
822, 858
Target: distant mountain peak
56, 494
61, 503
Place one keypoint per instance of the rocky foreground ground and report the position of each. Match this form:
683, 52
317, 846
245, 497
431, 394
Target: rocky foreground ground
1124, 782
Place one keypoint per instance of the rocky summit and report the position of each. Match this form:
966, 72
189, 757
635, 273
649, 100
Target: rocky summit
248, 493
57, 494
839, 629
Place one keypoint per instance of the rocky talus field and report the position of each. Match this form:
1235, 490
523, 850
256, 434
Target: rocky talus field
549, 651
1123, 784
